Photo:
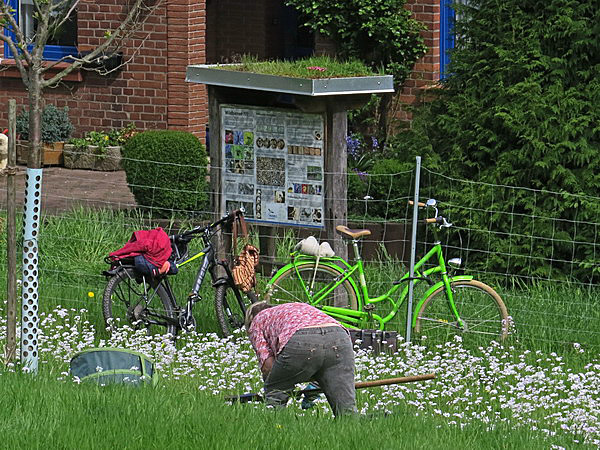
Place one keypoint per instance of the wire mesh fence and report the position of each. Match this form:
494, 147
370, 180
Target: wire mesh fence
537, 248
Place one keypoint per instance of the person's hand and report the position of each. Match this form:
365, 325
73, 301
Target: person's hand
267, 367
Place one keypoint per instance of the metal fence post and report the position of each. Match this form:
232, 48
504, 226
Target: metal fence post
29, 311
413, 250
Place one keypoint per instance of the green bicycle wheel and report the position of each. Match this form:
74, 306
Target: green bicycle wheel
303, 283
480, 308
128, 300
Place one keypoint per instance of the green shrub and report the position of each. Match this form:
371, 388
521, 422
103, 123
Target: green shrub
381, 33
520, 108
382, 192
56, 125
166, 171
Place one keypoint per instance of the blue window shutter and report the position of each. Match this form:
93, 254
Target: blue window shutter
446, 34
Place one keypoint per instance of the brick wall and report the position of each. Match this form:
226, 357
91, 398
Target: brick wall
150, 91
426, 71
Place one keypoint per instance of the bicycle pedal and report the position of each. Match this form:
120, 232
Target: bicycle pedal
187, 324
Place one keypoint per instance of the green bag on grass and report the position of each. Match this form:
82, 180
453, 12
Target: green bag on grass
113, 365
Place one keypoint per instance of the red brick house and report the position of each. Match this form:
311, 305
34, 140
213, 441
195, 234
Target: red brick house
151, 91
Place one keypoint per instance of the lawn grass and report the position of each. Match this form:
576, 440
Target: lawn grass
52, 414
538, 391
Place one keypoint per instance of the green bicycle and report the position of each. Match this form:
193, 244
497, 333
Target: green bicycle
452, 305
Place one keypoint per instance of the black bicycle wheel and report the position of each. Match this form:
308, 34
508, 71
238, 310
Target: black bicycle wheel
480, 308
305, 284
230, 307
131, 300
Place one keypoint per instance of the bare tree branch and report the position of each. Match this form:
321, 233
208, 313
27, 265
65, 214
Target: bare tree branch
50, 15
42, 31
127, 27
20, 48
18, 62
65, 8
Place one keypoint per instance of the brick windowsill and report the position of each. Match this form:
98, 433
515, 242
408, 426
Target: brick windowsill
8, 69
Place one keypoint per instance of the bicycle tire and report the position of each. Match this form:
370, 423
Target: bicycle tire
123, 304
287, 288
230, 313
480, 308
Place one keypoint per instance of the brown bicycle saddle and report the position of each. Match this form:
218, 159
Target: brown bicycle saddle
354, 234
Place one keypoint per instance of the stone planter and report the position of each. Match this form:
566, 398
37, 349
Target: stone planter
52, 153
91, 158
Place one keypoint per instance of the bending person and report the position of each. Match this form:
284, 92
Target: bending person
295, 343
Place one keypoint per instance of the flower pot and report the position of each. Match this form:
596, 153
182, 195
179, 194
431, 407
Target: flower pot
92, 158
52, 153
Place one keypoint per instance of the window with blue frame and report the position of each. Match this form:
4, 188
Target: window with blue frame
62, 42
447, 16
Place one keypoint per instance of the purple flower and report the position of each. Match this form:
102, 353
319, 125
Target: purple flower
353, 146
362, 174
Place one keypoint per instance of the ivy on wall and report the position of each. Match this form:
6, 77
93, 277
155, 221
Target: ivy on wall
381, 33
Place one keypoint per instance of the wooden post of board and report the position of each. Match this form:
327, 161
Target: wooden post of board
214, 151
336, 204
222, 244
268, 249
11, 238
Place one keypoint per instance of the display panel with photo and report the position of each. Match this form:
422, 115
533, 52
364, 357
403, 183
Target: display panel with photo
273, 164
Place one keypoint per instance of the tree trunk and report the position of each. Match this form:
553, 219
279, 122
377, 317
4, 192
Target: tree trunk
35, 120
384, 111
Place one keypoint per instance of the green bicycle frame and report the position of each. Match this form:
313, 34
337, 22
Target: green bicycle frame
359, 318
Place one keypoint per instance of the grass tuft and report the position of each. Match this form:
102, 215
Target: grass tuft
313, 68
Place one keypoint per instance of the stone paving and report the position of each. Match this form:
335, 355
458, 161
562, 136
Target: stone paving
63, 189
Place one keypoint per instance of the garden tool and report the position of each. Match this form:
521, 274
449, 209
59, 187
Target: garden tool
255, 397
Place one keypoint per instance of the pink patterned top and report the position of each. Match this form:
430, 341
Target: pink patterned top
272, 328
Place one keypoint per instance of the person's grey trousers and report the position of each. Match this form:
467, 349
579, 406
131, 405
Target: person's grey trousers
322, 354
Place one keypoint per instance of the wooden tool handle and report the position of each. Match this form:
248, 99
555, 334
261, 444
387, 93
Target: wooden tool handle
410, 379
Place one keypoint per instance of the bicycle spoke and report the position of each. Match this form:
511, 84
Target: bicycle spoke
482, 316
294, 284
444, 324
134, 302
291, 294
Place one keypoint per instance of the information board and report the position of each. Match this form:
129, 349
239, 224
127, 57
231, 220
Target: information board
273, 164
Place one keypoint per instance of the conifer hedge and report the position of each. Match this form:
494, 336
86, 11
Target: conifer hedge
521, 107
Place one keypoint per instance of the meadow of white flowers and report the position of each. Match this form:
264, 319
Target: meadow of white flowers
522, 388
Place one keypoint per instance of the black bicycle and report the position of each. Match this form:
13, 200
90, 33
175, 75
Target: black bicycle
144, 301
